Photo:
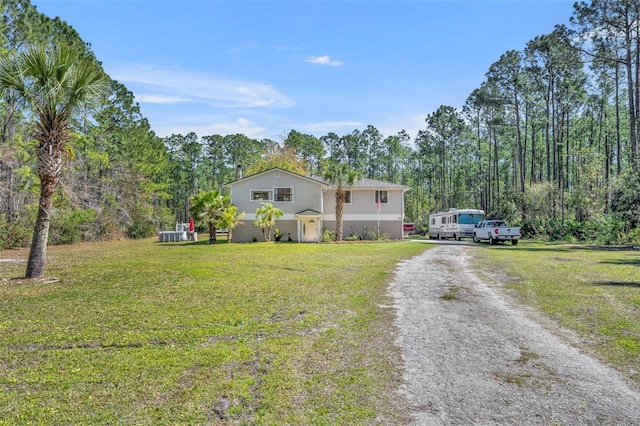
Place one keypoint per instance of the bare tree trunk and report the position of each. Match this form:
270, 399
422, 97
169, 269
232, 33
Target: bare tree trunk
618, 137
49, 166
38, 253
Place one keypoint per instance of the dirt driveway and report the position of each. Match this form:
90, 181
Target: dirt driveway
473, 356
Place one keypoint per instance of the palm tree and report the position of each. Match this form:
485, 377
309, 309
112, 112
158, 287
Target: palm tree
231, 220
340, 176
53, 84
215, 210
266, 217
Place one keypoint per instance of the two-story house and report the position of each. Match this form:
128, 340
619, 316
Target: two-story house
308, 203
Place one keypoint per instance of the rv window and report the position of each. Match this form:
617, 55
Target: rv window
470, 218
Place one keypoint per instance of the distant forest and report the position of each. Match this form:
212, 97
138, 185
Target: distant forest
549, 141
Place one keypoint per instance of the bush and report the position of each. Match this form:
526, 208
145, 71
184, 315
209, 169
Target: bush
70, 226
625, 199
16, 233
140, 227
328, 235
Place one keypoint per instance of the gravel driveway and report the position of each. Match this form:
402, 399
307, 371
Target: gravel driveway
473, 356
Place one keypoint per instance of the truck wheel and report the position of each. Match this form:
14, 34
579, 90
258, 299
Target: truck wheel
475, 239
491, 240
514, 242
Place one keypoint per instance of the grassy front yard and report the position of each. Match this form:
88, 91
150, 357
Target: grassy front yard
592, 290
138, 332
147, 333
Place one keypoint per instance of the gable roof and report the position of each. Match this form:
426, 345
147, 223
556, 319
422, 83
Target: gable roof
309, 212
254, 176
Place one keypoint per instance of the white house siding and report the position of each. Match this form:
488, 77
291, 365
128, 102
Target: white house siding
363, 202
361, 216
307, 194
246, 232
364, 228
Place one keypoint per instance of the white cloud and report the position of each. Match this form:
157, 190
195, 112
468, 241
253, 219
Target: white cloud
160, 99
338, 127
209, 125
323, 60
412, 123
171, 85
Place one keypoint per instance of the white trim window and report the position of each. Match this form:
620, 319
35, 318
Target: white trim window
283, 195
382, 196
261, 195
347, 197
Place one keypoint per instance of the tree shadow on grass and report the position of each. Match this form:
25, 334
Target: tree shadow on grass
626, 262
617, 284
551, 247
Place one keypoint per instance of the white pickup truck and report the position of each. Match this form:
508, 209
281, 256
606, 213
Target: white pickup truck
495, 231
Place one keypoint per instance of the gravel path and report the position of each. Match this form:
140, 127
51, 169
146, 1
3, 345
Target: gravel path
473, 356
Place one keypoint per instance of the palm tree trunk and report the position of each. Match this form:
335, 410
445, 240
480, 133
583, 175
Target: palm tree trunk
339, 206
38, 253
212, 234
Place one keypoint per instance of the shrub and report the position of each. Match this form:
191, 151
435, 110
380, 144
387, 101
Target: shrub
140, 227
16, 233
625, 198
70, 226
328, 235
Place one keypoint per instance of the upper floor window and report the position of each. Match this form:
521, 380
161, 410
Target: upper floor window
347, 197
382, 197
260, 195
283, 194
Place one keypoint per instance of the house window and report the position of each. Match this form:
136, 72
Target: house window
347, 197
283, 194
382, 196
260, 195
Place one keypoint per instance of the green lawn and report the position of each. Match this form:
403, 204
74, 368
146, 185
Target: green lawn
592, 290
138, 332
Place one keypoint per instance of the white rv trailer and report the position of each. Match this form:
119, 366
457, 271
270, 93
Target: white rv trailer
456, 223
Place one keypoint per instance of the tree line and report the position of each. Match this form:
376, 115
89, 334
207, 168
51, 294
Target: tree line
549, 141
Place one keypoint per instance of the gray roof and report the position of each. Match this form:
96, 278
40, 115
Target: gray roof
366, 183
363, 183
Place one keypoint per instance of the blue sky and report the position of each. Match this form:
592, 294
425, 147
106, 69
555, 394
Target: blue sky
262, 68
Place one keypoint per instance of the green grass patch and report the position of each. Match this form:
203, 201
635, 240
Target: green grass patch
138, 332
451, 294
592, 290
